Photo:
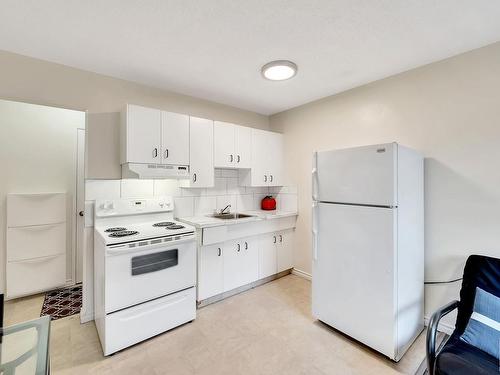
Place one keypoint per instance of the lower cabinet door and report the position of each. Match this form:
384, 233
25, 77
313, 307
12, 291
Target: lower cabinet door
210, 271
284, 250
232, 264
267, 255
249, 262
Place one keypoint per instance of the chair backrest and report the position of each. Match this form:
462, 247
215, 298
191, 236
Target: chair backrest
480, 271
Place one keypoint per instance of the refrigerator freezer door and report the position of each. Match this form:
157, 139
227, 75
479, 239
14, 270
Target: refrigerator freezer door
360, 175
353, 273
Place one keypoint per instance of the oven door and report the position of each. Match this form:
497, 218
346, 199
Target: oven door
140, 274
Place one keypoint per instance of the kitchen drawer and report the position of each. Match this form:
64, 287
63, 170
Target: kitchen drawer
35, 209
35, 275
35, 241
138, 323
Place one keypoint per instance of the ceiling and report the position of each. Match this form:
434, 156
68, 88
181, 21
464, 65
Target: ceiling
213, 49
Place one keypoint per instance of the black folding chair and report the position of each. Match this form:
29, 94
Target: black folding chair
457, 357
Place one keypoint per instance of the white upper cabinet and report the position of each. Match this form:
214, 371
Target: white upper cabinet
174, 138
232, 145
141, 135
266, 160
243, 146
224, 147
201, 152
275, 169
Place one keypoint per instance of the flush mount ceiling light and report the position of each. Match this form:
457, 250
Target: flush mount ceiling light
279, 70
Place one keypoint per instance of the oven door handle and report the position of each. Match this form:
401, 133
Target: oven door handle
125, 249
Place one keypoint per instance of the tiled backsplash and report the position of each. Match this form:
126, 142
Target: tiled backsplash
191, 201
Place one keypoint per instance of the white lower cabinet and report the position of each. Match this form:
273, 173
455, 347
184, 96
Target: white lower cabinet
267, 255
241, 263
284, 250
210, 271
231, 264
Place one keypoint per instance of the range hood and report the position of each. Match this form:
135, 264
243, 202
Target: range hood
154, 171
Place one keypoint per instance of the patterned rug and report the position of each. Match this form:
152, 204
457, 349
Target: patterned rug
63, 302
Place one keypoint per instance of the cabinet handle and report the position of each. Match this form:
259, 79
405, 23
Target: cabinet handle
166, 153
194, 177
274, 239
238, 158
281, 238
265, 178
231, 158
155, 152
271, 178
246, 245
219, 253
239, 247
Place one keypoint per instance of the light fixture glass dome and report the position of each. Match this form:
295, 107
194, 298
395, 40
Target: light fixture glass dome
279, 70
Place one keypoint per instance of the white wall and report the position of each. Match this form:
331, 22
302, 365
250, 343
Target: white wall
450, 111
38, 150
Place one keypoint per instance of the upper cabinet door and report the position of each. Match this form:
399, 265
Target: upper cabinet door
275, 146
360, 175
224, 150
260, 158
243, 146
174, 138
201, 152
142, 135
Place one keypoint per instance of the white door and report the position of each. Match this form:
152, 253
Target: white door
275, 152
243, 146
80, 206
201, 152
361, 175
232, 265
353, 272
284, 250
211, 271
260, 158
175, 138
267, 255
224, 150
249, 270
143, 134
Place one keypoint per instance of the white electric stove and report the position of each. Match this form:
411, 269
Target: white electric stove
144, 271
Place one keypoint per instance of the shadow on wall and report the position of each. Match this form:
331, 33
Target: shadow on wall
461, 218
103, 146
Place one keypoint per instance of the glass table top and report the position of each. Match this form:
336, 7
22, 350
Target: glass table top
24, 348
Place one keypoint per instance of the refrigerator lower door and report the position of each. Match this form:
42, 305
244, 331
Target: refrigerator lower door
361, 175
354, 272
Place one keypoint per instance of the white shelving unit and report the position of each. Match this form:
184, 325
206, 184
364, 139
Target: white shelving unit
36, 243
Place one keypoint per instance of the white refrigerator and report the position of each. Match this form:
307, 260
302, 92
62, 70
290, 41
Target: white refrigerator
368, 244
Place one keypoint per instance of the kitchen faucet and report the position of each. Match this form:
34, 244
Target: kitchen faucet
224, 209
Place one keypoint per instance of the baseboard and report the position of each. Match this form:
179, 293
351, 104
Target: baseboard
302, 274
86, 317
442, 327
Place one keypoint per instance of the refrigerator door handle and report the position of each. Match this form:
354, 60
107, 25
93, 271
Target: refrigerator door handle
314, 231
315, 177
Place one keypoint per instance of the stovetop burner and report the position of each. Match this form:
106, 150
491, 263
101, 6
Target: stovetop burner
164, 224
115, 229
123, 233
175, 226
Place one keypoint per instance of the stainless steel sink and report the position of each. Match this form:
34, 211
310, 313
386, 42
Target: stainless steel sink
230, 216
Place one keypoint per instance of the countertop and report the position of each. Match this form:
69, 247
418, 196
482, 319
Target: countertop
204, 221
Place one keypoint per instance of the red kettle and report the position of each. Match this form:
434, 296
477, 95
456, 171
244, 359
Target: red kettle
268, 203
